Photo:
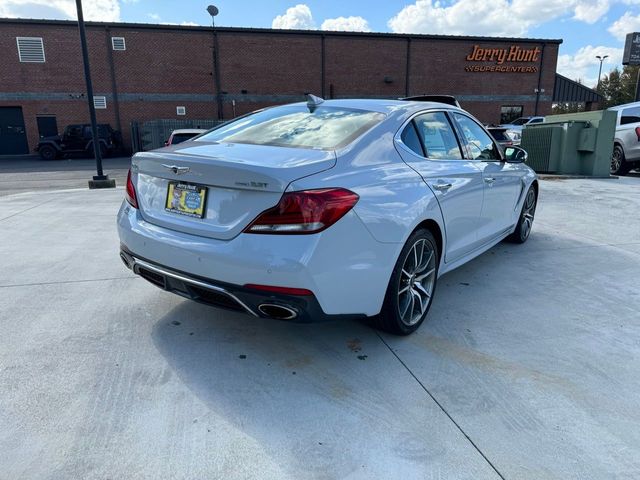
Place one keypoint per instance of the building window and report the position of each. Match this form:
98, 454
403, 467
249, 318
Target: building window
30, 49
509, 113
100, 102
181, 110
118, 43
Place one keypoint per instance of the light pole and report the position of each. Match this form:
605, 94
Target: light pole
213, 11
602, 59
100, 180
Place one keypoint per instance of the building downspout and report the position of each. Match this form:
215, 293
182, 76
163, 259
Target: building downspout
322, 66
408, 68
112, 72
539, 79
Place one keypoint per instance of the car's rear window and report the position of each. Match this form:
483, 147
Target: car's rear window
181, 137
520, 121
500, 135
296, 126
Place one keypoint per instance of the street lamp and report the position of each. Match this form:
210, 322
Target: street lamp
602, 59
213, 11
100, 180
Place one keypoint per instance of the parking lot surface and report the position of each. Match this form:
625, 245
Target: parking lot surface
527, 367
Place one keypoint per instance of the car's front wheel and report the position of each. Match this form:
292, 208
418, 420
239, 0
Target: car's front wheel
412, 285
47, 152
525, 221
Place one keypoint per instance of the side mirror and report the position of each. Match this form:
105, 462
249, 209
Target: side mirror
515, 155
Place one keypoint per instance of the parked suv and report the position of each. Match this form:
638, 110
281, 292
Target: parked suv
77, 139
182, 135
626, 146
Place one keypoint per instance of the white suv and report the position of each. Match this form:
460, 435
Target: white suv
626, 148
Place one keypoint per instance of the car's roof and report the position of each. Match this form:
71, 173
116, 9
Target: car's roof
383, 105
626, 105
189, 130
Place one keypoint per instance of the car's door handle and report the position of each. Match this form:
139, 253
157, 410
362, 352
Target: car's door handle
489, 180
442, 187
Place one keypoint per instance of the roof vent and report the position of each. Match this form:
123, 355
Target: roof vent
30, 49
118, 43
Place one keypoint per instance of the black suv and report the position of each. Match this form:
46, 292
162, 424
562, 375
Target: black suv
77, 139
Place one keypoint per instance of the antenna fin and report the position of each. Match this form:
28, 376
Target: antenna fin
313, 102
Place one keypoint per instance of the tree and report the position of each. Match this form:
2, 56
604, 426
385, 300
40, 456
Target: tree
619, 87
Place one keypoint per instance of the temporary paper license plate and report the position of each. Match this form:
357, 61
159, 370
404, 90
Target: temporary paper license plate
186, 199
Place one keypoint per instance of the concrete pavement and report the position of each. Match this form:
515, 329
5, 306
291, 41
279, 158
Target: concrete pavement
526, 368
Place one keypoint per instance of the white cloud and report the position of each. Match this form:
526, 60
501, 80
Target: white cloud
154, 16
627, 23
496, 18
97, 10
189, 24
346, 24
584, 64
297, 18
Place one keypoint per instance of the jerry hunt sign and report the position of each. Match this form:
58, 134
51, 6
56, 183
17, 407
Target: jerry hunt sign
500, 56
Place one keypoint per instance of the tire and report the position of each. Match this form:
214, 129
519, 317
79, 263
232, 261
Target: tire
525, 221
400, 314
618, 164
47, 152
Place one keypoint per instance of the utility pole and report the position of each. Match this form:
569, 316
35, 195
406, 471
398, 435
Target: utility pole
213, 11
100, 180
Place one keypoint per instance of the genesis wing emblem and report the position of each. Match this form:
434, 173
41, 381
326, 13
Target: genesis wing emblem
177, 170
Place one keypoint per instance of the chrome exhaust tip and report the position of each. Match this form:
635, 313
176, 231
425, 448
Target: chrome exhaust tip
279, 312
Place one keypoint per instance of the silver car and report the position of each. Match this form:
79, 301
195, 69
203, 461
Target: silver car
626, 149
326, 209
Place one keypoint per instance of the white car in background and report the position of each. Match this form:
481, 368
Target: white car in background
182, 135
514, 128
324, 209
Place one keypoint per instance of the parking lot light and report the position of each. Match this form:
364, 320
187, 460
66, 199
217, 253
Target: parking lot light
100, 180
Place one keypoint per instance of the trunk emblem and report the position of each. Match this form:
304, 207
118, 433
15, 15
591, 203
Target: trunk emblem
177, 170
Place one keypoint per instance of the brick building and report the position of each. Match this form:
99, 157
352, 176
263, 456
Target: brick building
142, 72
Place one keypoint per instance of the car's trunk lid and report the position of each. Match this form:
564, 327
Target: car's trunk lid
241, 181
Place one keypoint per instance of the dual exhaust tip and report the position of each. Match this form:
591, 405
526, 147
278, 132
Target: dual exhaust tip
279, 312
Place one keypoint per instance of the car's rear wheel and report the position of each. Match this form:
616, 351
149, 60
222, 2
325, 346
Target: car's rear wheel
47, 152
618, 164
527, 214
412, 285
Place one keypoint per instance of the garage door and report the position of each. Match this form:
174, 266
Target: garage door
13, 137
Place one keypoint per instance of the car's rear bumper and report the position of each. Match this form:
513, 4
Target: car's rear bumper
298, 308
344, 267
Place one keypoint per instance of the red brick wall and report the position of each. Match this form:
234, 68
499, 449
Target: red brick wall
257, 68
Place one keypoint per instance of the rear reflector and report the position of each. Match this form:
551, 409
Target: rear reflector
303, 212
283, 290
131, 192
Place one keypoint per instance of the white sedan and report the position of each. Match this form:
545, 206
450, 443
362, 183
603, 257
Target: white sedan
325, 209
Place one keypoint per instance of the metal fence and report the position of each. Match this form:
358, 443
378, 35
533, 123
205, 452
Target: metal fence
152, 134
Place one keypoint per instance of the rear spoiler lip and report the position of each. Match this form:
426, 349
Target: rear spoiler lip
446, 99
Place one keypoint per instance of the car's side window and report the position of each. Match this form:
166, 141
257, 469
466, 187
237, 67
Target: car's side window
410, 138
437, 136
630, 115
481, 146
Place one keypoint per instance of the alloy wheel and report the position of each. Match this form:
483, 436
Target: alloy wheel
528, 212
616, 161
417, 281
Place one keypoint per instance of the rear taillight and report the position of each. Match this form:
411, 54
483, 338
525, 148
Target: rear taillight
131, 192
307, 211
638, 133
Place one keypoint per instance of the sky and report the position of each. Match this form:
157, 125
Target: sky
588, 27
